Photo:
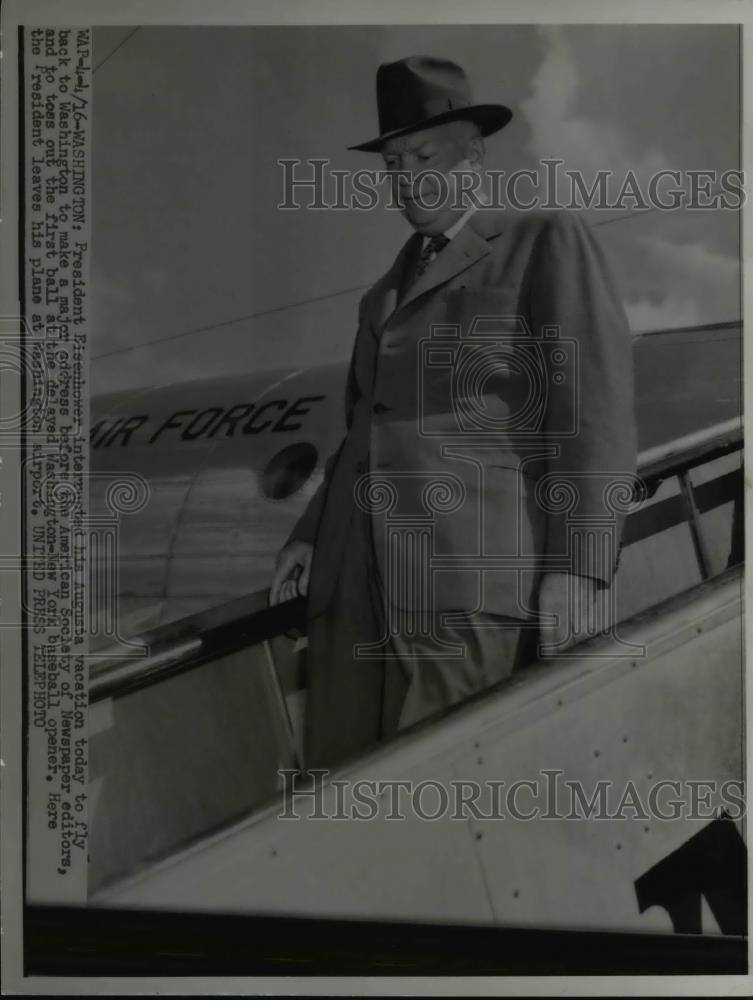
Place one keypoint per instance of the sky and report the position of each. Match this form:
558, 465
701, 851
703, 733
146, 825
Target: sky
197, 272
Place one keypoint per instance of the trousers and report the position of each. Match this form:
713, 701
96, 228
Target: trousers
370, 675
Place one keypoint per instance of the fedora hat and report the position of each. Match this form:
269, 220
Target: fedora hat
422, 91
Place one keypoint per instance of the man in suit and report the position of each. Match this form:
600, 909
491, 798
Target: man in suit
470, 510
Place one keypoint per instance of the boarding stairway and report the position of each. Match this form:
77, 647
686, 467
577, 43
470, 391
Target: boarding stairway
187, 740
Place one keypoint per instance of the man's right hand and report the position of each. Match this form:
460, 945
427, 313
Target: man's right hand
292, 572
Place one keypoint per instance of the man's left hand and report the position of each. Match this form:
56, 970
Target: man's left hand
573, 601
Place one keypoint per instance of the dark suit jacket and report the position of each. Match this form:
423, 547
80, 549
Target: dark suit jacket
459, 379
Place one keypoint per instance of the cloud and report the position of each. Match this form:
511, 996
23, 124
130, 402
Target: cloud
682, 284
559, 129
670, 277
673, 311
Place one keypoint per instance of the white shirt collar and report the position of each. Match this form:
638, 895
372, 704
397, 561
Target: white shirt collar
457, 225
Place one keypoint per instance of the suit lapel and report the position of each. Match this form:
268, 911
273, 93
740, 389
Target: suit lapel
463, 250
467, 246
388, 290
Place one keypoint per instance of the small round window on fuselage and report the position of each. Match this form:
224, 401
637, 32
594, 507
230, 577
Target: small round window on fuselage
288, 470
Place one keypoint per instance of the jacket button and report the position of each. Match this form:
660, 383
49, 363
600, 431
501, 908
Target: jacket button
380, 408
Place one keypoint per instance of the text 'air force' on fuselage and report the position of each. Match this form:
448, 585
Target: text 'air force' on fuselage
273, 416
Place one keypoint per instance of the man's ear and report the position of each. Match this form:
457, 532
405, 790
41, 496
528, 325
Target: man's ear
476, 151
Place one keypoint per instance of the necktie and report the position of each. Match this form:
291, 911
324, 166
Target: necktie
429, 252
